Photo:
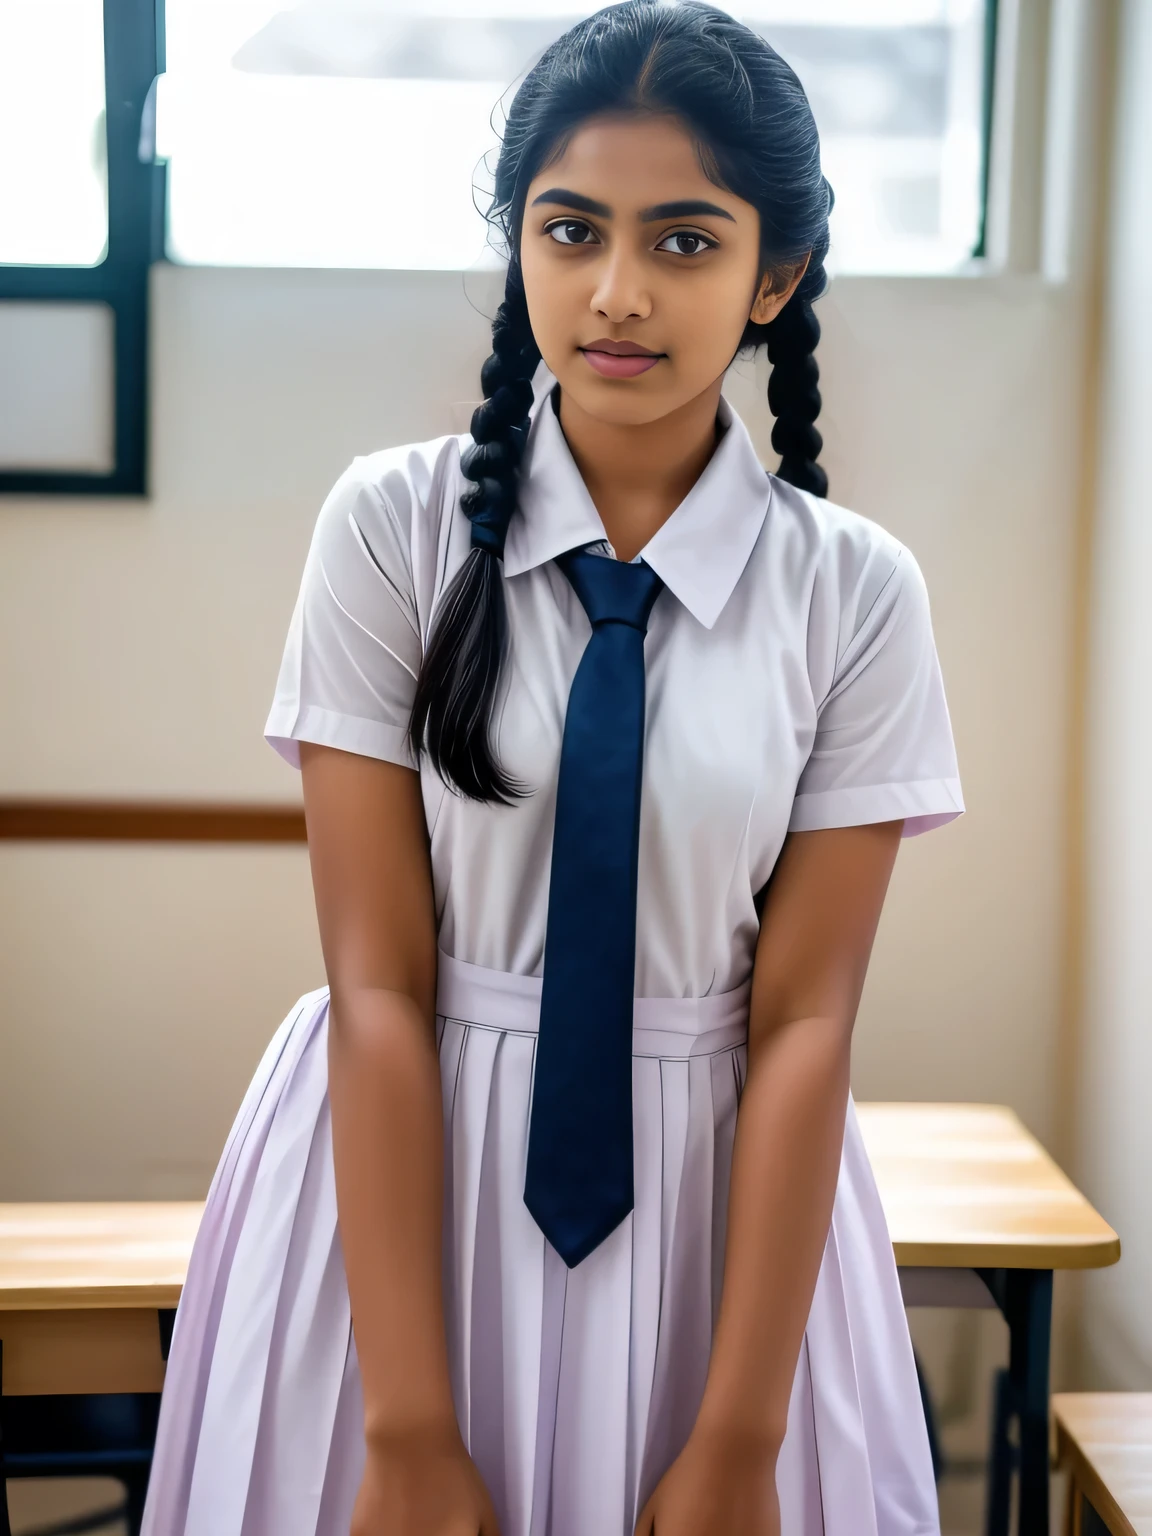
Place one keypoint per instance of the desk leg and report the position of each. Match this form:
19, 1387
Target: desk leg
1090, 1522
1001, 1459
1030, 1320
929, 1420
1024, 1296
5, 1527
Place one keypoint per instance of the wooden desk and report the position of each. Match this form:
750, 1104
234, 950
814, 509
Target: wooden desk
980, 1215
82, 1291
965, 1185
978, 1212
1104, 1439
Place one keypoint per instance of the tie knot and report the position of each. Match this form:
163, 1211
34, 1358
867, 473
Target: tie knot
612, 591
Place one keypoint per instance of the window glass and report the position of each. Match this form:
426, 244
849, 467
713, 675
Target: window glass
359, 132
57, 387
53, 180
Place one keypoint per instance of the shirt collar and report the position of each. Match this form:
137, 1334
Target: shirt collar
701, 550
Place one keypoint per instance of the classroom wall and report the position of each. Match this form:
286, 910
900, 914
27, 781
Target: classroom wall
139, 643
1115, 1130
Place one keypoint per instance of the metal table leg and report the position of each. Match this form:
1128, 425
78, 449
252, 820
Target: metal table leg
1001, 1459
929, 1407
5, 1527
1024, 1296
1091, 1523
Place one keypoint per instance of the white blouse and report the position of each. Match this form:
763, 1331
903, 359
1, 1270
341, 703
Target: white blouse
792, 684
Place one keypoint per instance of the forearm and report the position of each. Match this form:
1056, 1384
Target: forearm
786, 1160
387, 1139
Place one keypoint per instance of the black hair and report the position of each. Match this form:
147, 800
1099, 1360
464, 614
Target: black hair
755, 135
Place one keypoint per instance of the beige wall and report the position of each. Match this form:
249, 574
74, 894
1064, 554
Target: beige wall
1115, 1142
139, 642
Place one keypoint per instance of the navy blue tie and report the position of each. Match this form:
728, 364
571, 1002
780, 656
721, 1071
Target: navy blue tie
578, 1184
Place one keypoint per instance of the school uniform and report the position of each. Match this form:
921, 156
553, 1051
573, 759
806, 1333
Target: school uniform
792, 684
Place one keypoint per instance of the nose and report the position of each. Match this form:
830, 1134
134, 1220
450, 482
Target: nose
621, 291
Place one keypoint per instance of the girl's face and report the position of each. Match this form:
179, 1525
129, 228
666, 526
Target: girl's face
640, 273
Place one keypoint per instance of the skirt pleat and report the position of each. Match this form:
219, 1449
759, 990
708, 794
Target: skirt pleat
574, 1389
286, 1234
194, 1338
311, 1333
898, 1448
647, 1268
726, 1081
684, 1301
466, 1129
346, 1455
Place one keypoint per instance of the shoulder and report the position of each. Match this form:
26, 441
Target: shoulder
849, 564
405, 486
859, 591
397, 510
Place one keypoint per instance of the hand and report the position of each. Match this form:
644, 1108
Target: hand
719, 1485
422, 1483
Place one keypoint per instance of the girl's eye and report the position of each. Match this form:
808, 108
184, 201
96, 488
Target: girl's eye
684, 243
572, 232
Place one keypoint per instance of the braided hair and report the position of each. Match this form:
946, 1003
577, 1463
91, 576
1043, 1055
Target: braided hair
755, 135
794, 384
456, 689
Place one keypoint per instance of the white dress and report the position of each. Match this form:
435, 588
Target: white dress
792, 683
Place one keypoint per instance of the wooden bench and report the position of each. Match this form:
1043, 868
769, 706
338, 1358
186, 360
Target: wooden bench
1104, 1441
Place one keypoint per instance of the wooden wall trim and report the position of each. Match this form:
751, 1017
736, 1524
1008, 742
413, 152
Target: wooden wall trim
148, 821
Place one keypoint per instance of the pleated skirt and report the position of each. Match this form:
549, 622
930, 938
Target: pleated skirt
574, 1389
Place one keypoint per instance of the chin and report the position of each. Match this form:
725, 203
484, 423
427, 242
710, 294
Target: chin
618, 402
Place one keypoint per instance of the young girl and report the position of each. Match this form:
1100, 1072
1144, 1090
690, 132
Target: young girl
551, 1217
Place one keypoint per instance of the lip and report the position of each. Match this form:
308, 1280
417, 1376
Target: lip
619, 348
620, 359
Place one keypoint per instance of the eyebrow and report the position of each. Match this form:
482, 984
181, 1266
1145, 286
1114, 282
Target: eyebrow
685, 208
574, 200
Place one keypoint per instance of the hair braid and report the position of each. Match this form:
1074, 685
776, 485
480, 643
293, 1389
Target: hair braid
456, 689
500, 425
793, 385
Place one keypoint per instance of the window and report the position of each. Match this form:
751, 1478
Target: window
356, 133
351, 132
53, 166
80, 221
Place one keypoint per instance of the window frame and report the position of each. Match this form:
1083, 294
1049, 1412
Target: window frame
133, 57
987, 121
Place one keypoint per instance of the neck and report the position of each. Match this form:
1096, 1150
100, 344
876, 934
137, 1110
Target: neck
638, 475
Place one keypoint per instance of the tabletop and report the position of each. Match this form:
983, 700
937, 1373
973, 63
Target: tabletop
1106, 1438
94, 1254
82, 1290
966, 1185
962, 1185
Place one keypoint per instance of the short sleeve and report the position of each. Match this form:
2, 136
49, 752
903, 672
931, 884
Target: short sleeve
348, 673
883, 748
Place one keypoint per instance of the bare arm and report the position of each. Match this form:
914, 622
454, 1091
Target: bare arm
816, 936
372, 879
819, 922
373, 888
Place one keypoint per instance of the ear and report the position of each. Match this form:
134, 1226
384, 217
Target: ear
776, 287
